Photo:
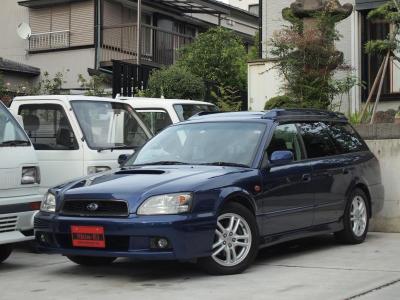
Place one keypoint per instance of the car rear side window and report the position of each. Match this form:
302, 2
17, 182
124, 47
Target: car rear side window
346, 138
48, 127
317, 140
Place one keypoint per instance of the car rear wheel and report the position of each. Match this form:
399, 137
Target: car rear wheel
235, 241
5, 252
355, 219
91, 260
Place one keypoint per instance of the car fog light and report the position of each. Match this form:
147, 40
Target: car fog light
162, 243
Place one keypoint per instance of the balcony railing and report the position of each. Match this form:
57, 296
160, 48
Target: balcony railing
49, 40
158, 46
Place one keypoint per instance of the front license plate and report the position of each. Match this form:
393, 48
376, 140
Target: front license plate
88, 236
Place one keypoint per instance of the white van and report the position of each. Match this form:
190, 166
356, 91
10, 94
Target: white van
19, 184
159, 113
76, 136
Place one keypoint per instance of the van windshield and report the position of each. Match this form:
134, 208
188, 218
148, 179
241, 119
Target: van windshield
186, 111
11, 133
109, 125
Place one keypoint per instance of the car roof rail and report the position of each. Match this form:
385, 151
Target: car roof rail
303, 114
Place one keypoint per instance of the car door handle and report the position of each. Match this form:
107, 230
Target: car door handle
306, 177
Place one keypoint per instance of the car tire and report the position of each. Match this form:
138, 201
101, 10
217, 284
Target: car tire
355, 219
92, 260
232, 241
5, 252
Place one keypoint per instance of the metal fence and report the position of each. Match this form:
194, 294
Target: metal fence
49, 40
157, 45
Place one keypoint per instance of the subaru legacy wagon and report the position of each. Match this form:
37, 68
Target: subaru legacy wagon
217, 188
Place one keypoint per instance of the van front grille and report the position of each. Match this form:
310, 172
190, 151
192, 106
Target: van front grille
8, 224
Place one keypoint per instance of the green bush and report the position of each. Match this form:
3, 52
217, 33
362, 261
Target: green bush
176, 82
281, 102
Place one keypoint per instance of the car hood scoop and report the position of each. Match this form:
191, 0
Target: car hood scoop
139, 172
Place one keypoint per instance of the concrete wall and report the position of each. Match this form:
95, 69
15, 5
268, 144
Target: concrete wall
384, 142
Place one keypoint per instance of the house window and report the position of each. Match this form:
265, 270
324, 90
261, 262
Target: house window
254, 9
373, 30
62, 26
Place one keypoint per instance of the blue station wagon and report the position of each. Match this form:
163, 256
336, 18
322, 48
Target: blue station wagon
217, 188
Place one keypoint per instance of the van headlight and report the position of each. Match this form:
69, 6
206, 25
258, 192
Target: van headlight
169, 204
49, 203
30, 175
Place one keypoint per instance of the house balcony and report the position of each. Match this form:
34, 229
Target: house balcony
158, 47
49, 41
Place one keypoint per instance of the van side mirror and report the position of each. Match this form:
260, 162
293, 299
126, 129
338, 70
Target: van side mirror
122, 159
281, 157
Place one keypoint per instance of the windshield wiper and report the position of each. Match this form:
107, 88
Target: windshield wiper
225, 164
125, 147
15, 143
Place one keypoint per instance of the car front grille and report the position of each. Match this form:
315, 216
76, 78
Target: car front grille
95, 208
8, 224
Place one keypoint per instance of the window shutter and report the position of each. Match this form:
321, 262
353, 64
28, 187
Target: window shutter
40, 20
60, 17
82, 23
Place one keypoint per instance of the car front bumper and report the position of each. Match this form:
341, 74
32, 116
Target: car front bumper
189, 236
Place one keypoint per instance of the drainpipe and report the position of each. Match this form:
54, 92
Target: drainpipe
260, 29
98, 34
138, 33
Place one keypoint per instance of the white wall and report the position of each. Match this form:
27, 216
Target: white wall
243, 4
264, 83
71, 63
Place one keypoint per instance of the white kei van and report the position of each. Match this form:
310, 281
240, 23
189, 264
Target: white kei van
19, 184
159, 113
76, 136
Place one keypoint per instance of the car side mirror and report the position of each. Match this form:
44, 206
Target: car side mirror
281, 157
122, 159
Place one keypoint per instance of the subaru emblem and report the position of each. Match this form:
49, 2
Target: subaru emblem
92, 206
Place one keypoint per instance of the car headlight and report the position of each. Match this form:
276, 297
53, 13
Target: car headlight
30, 175
97, 169
49, 203
170, 204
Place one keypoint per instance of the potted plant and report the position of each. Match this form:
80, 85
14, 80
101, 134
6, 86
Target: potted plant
397, 118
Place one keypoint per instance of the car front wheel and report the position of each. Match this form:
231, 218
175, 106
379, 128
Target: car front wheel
355, 219
91, 260
5, 251
235, 241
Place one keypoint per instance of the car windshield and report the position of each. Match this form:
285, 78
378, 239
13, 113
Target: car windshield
185, 111
109, 125
217, 143
11, 133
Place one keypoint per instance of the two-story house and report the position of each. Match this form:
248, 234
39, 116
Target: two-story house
74, 36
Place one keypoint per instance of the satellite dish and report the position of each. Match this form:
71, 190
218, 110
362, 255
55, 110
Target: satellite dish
24, 31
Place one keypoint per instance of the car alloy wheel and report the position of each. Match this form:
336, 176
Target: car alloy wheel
232, 240
355, 219
358, 216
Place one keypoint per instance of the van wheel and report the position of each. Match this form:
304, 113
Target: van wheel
5, 251
91, 260
355, 219
235, 243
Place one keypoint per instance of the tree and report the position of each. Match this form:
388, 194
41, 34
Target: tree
48, 85
219, 56
95, 86
175, 82
389, 13
307, 57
